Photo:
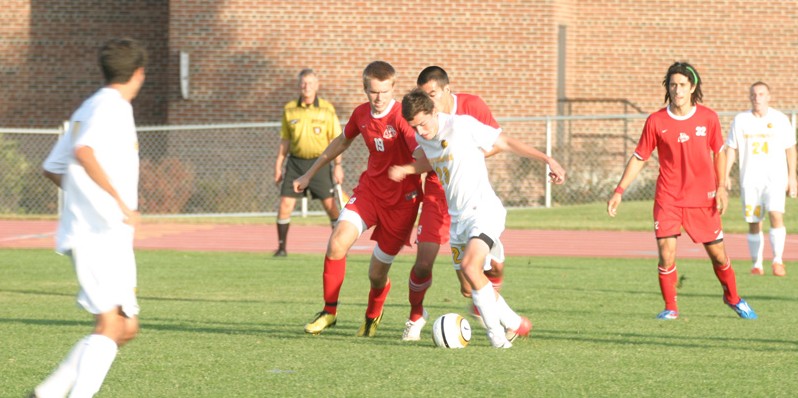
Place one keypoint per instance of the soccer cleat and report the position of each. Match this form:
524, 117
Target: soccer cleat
668, 315
413, 329
322, 321
757, 271
498, 340
778, 269
369, 327
280, 253
742, 309
522, 331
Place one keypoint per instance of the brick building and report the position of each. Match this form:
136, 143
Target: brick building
521, 56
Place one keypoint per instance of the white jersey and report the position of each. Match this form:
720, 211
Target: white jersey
761, 143
105, 123
457, 155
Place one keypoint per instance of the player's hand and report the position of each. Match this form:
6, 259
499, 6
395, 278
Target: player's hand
301, 183
721, 200
613, 203
728, 184
278, 177
792, 188
338, 174
557, 173
397, 173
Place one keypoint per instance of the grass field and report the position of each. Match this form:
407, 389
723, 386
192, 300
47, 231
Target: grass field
227, 324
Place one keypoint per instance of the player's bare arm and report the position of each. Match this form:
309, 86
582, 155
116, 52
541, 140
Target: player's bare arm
721, 194
731, 155
419, 166
54, 177
507, 143
631, 171
85, 156
338, 170
336, 148
792, 180
282, 152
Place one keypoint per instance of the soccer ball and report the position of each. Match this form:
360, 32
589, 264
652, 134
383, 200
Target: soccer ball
451, 331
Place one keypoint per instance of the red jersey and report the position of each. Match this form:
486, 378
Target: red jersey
390, 141
464, 104
684, 144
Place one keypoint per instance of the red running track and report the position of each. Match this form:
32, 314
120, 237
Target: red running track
313, 239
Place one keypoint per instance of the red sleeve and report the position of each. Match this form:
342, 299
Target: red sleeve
408, 134
474, 105
350, 130
715, 134
648, 140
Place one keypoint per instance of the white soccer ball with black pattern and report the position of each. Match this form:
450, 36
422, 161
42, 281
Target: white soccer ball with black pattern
451, 331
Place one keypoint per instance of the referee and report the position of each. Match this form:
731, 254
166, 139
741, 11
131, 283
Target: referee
309, 124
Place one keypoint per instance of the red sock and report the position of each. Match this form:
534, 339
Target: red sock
417, 289
497, 282
667, 284
334, 272
377, 300
728, 281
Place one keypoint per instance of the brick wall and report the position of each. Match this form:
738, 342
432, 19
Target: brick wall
245, 54
48, 56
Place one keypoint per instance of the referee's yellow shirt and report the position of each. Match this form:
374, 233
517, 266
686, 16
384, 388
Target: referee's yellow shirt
310, 128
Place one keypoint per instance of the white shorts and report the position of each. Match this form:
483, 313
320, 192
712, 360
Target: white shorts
106, 269
759, 201
490, 223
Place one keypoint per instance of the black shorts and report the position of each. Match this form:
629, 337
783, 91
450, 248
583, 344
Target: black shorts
321, 185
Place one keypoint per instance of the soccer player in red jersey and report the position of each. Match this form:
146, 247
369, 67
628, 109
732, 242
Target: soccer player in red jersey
691, 190
433, 224
377, 201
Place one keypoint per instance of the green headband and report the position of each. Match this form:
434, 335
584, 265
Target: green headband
695, 76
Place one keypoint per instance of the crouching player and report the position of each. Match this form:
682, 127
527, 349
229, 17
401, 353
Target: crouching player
454, 146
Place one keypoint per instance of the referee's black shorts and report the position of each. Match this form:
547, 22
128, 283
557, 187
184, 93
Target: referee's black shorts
321, 185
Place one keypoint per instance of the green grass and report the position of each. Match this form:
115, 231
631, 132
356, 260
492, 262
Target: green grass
227, 324
632, 216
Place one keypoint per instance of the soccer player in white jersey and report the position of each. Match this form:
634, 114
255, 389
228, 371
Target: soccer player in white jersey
96, 163
765, 140
454, 146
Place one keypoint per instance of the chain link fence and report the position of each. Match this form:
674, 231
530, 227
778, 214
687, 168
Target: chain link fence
229, 169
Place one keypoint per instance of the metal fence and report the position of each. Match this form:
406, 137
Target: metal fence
193, 170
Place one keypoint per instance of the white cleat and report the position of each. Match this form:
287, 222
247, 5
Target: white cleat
498, 340
413, 329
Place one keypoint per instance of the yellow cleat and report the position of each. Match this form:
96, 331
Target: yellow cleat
369, 327
322, 321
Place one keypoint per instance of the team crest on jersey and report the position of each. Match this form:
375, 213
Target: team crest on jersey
317, 130
683, 137
770, 125
700, 131
389, 132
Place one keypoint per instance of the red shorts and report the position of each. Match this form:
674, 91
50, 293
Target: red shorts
434, 222
701, 223
393, 225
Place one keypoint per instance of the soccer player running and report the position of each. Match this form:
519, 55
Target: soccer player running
454, 147
691, 190
377, 201
433, 224
765, 139
96, 163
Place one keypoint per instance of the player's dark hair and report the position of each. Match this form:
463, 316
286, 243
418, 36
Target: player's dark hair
683, 68
120, 58
760, 83
379, 70
431, 73
415, 102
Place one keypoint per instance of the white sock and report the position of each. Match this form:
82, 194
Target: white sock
507, 316
755, 248
485, 300
777, 238
61, 380
98, 355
